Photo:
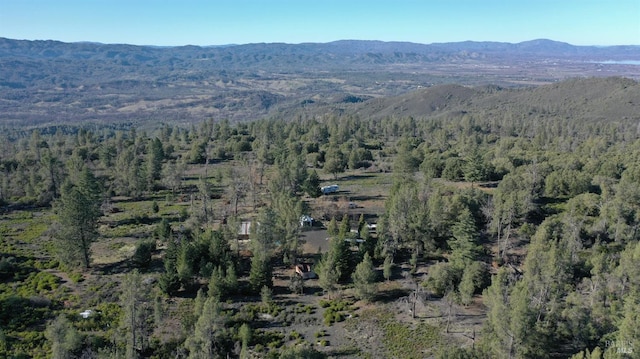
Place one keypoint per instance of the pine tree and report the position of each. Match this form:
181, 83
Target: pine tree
364, 279
345, 227
296, 284
312, 185
155, 155
473, 279
387, 267
334, 162
245, 335
340, 253
206, 341
78, 213
328, 273
332, 228
260, 274
262, 245
231, 279
361, 223
464, 249
63, 337
474, 168
217, 285
169, 281
135, 311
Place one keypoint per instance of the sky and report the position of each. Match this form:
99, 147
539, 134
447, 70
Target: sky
221, 22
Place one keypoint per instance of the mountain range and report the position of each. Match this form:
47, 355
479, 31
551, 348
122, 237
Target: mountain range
51, 82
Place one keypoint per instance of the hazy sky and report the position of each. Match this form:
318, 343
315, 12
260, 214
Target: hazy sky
216, 22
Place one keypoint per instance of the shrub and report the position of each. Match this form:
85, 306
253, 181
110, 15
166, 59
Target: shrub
7, 267
301, 351
442, 278
44, 281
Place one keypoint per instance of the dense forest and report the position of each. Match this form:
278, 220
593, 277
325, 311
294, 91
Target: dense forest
123, 243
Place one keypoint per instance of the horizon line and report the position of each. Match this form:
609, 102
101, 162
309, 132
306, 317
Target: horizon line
318, 42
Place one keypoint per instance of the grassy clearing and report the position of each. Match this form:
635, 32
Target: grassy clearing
23, 234
400, 340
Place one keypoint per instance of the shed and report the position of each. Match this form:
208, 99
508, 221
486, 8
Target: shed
245, 230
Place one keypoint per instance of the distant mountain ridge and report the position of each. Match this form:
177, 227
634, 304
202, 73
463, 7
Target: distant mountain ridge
83, 50
44, 81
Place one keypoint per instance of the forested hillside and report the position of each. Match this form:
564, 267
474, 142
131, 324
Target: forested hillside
468, 223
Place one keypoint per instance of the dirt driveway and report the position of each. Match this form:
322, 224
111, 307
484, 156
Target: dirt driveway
315, 240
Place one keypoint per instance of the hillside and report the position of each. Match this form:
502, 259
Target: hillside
589, 99
50, 82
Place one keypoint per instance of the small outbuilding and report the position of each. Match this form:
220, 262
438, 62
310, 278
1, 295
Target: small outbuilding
306, 221
304, 271
245, 230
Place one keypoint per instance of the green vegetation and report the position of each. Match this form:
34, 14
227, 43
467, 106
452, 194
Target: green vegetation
530, 229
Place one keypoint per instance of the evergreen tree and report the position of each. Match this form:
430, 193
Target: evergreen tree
78, 213
245, 335
64, 338
185, 263
312, 185
474, 167
155, 155
260, 274
334, 162
142, 255
169, 281
344, 230
296, 284
208, 335
464, 249
328, 273
217, 285
263, 237
387, 267
332, 227
474, 279
231, 279
135, 311
364, 278
128, 174
288, 210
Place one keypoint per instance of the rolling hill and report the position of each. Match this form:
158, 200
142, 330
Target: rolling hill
612, 98
51, 82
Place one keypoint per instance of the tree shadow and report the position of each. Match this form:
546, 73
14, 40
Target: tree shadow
121, 266
365, 198
136, 220
343, 352
391, 295
355, 177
